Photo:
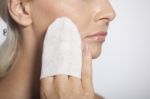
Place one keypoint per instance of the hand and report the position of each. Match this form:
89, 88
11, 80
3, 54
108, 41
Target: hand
69, 87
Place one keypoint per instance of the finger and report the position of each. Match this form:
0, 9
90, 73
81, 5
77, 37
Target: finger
61, 84
86, 74
47, 81
46, 86
75, 84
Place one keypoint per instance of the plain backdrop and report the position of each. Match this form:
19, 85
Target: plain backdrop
123, 69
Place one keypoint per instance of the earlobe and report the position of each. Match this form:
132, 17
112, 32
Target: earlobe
20, 12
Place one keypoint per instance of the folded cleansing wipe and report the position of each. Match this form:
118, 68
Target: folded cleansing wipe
62, 49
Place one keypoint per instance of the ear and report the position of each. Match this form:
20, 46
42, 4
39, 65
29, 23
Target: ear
20, 11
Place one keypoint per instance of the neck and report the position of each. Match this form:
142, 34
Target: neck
31, 44
27, 67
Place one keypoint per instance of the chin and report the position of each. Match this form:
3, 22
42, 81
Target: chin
95, 51
95, 54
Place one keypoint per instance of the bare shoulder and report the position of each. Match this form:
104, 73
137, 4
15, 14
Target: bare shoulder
97, 96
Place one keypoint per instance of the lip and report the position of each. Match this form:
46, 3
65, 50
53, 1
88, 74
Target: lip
98, 36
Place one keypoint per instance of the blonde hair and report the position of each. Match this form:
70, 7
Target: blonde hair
9, 49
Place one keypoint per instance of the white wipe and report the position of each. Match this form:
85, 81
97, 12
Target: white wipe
62, 50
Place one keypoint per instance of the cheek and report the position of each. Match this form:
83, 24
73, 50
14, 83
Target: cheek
78, 13
45, 9
43, 13
48, 10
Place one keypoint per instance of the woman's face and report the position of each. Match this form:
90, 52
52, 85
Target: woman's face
90, 16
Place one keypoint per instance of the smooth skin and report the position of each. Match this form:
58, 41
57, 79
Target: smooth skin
33, 18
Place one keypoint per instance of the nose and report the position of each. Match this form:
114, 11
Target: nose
104, 10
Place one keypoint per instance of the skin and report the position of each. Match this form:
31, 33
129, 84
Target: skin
33, 18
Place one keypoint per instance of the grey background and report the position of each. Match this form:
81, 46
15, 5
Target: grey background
123, 70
